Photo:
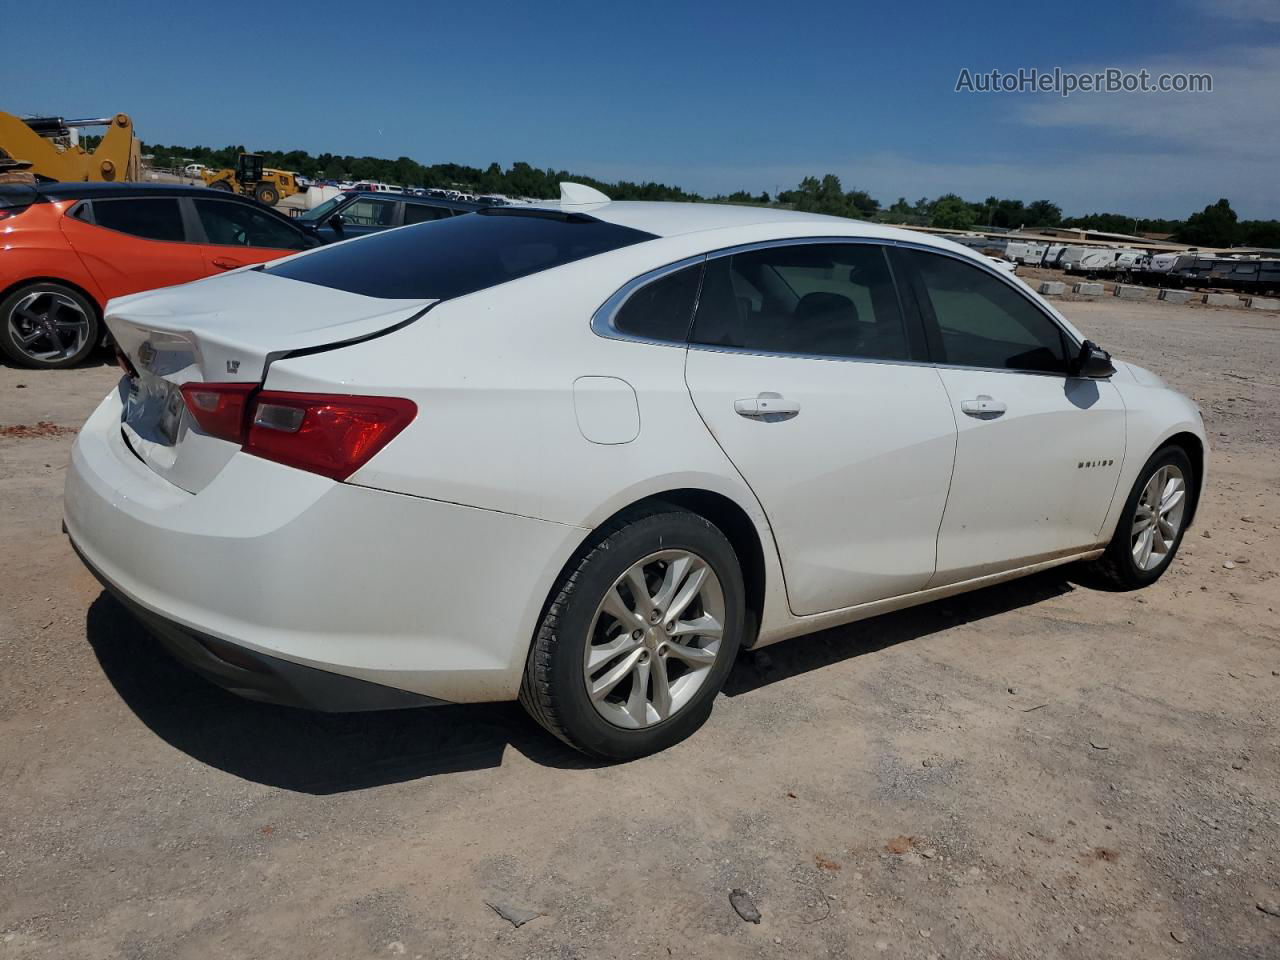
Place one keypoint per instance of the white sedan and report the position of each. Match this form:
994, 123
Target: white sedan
583, 453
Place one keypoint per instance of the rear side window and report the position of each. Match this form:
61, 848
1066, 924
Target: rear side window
240, 225
822, 299
983, 321
450, 258
422, 213
663, 309
152, 218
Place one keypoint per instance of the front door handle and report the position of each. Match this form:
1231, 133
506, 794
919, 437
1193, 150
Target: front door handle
767, 406
226, 263
983, 407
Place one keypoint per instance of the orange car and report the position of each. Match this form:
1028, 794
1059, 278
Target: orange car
68, 248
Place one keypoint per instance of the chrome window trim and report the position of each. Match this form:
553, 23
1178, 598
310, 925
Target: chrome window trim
602, 321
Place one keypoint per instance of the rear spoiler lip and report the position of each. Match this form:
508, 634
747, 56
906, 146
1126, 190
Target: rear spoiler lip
339, 344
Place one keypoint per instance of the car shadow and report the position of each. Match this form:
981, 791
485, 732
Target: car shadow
321, 753
317, 753
814, 651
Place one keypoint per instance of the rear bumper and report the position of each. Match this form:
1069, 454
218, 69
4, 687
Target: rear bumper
285, 567
256, 676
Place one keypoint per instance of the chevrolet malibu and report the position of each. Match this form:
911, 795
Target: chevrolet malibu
581, 454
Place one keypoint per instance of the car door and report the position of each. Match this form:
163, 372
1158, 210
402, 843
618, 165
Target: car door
804, 368
130, 244
238, 234
1038, 451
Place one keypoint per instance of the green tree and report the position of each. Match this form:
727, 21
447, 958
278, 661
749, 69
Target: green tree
1214, 226
828, 196
1260, 233
951, 213
1042, 213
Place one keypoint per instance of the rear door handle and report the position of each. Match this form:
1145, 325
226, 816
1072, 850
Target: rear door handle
983, 407
226, 263
767, 406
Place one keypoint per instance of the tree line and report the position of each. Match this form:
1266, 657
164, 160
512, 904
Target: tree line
1215, 226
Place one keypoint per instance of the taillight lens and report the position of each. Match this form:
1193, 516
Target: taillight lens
330, 434
11, 212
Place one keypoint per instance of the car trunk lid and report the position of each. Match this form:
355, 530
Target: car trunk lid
225, 330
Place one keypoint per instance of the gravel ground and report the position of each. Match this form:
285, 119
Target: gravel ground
1037, 770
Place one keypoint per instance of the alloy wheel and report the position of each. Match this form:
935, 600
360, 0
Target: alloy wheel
1157, 518
654, 639
48, 326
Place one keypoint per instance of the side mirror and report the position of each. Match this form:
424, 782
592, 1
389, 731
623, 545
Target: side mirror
336, 222
1092, 363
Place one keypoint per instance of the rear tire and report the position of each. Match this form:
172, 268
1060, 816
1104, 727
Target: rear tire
48, 326
267, 195
654, 663
1152, 523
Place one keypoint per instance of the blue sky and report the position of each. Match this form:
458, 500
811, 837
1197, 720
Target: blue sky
712, 96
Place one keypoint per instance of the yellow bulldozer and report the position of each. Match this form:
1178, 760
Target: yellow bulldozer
48, 148
252, 179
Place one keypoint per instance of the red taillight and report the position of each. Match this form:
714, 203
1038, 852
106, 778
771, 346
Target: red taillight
329, 434
219, 408
11, 212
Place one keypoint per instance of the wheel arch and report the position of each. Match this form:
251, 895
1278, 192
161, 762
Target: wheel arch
728, 516
62, 282
1193, 447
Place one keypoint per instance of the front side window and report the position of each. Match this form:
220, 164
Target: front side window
663, 309
450, 258
325, 209
983, 321
369, 213
821, 299
152, 218
239, 225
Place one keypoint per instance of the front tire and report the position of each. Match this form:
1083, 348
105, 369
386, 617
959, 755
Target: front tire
639, 636
1152, 524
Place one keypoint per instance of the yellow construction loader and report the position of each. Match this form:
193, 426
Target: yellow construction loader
48, 148
253, 180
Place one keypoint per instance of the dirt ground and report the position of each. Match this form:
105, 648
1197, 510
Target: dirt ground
1038, 770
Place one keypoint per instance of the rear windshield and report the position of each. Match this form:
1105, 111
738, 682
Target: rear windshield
450, 258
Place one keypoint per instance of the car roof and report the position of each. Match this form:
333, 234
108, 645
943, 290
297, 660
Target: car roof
672, 219
86, 191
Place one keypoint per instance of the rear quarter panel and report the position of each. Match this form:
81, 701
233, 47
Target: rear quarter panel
493, 376
33, 247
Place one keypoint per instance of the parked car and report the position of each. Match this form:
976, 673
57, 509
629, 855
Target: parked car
71, 247
375, 186
582, 454
357, 213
